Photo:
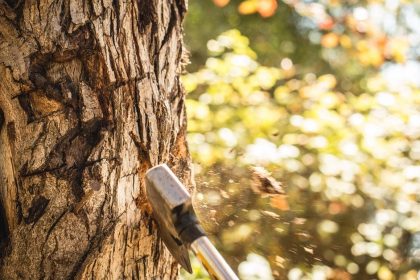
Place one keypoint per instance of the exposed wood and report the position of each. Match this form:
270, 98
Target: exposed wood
90, 98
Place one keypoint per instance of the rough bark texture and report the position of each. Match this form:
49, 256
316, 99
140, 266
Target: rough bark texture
90, 98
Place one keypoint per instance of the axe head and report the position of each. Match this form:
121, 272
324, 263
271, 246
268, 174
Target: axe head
169, 199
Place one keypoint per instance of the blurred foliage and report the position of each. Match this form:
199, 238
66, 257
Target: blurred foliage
367, 28
348, 156
199, 273
352, 39
272, 38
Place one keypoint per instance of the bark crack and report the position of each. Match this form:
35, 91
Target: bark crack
2, 120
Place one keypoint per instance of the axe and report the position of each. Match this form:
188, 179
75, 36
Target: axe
178, 224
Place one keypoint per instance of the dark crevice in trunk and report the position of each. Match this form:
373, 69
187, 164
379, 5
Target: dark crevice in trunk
65, 16
50, 230
117, 13
17, 7
1, 119
11, 132
79, 151
182, 7
147, 13
171, 26
27, 107
95, 242
4, 233
36, 210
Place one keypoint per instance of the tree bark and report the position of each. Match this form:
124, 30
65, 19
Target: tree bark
90, 98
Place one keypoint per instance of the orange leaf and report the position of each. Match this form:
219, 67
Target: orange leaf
345, 41
221, 3
329, 40
327, 24
247, 7
336, 208
267, 8
280, 202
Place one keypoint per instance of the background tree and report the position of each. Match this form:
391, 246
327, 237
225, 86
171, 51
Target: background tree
90, 98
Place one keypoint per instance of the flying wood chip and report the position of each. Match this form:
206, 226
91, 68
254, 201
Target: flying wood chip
263, 183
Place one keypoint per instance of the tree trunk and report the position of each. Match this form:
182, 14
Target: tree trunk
90, 98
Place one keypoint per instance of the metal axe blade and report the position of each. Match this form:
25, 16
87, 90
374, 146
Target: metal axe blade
178, 224
166, 194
